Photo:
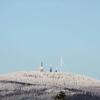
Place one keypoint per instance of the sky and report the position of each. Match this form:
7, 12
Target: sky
35, 30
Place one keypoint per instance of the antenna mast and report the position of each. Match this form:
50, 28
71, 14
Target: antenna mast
61, 62
41, 67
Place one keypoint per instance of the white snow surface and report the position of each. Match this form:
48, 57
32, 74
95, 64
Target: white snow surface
52, 79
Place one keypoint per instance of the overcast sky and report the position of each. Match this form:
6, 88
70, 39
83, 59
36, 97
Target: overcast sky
35, 30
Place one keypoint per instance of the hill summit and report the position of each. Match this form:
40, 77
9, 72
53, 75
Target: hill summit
37, 85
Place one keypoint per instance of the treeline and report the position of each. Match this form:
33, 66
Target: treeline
84, 96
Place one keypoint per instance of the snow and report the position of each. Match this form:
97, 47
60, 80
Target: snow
44, 85
51, 78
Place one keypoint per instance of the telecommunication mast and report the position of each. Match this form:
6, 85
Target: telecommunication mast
41, 67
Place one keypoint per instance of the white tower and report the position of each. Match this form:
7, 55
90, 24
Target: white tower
41, 67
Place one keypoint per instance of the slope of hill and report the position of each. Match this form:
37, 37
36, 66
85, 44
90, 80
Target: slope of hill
35, 85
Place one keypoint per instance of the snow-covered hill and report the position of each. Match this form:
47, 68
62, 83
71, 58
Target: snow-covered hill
14, 84
51, 78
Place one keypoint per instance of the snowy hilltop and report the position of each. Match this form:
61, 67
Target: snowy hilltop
37, 85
